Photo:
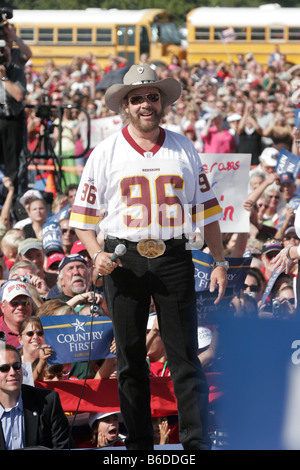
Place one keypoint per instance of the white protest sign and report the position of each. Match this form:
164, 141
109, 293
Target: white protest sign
100, 129
228, 175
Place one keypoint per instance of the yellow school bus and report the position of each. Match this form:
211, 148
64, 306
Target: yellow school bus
62, 34
257, 30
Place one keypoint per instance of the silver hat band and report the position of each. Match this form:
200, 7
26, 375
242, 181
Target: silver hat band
143, 81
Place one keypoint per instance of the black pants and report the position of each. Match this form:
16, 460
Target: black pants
11, 143
169, 279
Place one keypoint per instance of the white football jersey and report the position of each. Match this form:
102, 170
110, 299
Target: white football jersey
162, 194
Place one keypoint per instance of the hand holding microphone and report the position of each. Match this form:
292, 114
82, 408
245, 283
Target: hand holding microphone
120, 250
107, 265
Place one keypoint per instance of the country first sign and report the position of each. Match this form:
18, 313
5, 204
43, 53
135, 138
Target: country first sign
74, 337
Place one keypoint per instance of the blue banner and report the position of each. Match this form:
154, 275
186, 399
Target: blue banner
72, 337
52, 239
287, 162
236, 274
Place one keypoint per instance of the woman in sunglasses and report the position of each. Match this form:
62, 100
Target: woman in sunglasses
68, 236
34, 349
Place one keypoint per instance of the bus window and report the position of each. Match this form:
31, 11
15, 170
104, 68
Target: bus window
46, 35
103, 35
294, 34
167, 33
26, 34
130, 57
144, 41
65, 35
241, 34
202, 34
257, 34
84, 35
218, 33
276, 33
126, 35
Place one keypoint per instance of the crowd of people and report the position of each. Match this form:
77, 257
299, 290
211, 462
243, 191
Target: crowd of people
240, 107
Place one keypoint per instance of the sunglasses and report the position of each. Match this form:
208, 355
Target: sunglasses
6, 367
252, 288
31, 333
16, 303
139, 99
71, 231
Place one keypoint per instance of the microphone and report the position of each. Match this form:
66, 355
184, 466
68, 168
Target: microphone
120, 250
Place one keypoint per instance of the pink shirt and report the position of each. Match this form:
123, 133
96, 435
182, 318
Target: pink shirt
218, 142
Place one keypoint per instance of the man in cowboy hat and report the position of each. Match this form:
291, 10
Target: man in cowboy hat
151, 184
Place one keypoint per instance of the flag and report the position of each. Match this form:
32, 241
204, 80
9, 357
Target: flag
228, 35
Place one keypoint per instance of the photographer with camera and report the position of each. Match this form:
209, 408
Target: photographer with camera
20, 54
12, 94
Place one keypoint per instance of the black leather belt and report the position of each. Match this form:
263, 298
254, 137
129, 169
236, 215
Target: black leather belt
149, 247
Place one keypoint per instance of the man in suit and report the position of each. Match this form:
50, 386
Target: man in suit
29, 416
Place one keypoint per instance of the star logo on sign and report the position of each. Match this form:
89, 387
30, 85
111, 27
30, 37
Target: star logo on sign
78, 325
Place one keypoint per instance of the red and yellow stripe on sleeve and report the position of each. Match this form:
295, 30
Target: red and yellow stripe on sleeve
84, 215
206, 210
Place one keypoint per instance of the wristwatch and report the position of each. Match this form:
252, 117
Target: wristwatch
4, 79
224, 264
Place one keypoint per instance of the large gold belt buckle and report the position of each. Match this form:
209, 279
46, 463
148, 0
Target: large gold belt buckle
150, 248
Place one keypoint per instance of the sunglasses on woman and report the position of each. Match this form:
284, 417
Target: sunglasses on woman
71, 231
30, 334
6, 367
252, 288
139, 99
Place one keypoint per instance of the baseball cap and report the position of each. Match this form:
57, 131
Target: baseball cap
71, 259
95, 416
29, 244
77, 247
251, 252
290, 230
54, 258
234, 117
12, 289
269, 156
287, 178
272, 244
31, 193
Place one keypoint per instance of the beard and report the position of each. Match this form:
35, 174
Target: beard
145, 126
78, 290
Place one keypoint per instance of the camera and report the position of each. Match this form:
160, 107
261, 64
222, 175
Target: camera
43, 111
2, 336
25, 278
6, 13
95, 309
276, 307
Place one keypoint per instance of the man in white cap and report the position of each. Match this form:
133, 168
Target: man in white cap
15, 305
153, 187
